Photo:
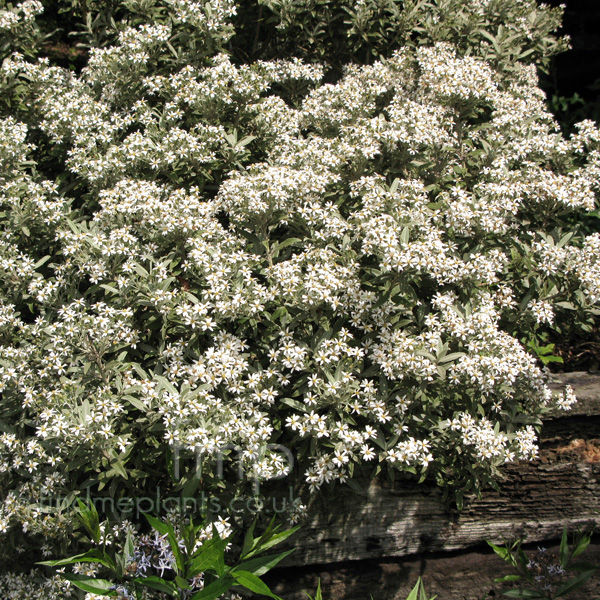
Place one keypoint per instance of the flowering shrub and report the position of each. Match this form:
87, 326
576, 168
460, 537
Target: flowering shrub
211, 246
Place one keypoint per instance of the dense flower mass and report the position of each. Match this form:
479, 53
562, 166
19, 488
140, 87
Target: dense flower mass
206, 252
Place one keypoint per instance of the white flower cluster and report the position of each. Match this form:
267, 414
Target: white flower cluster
567, 399
214, 16
36, 587
542, 311
23, 13
489, 444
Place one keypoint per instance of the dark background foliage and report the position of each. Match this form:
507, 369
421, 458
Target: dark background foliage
574, 81
573, 89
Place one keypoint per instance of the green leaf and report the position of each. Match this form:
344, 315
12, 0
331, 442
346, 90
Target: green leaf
88, 516
508, 578
248, 539
129, 547
405, 235
121, 564
393, 189
524, 593
565, 239
259, 566
140, 270
245, 141
422, 594
162, 528
293, 403
451, 356
254, 583
278, 313
91, 556
173, 542
503, 553
136, 403
40, 262
118, 467
563, 552
523, 558
91, 585
581, 545
414, 594
157, 583
318, 594
271, 540
565, 305
288, 242
191, 485
209, 556
109, 288
215, 589
166, 384
574, 583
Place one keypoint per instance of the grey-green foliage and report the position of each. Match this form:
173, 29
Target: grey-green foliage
338, 31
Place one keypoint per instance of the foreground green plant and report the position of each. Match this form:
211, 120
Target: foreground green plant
417, 593
184, 563
318, 593
545, 575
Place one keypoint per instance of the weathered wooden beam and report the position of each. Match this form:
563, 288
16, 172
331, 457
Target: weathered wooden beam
535, 500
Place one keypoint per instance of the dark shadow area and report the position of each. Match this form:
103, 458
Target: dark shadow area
573, 85
455, 575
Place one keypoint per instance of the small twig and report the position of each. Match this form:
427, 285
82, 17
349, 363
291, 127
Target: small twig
257, 31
